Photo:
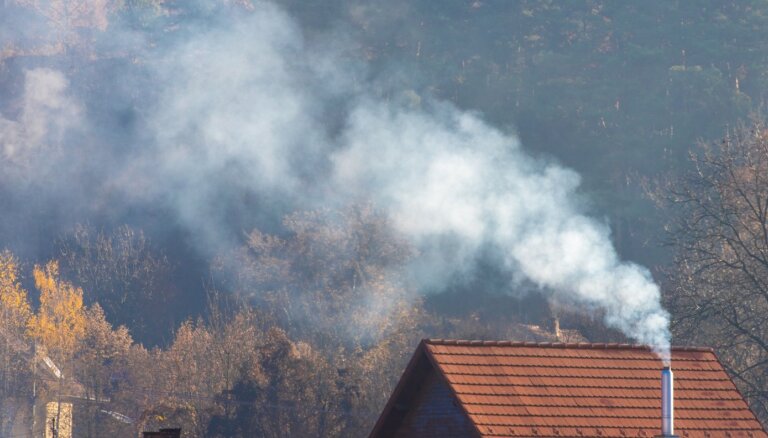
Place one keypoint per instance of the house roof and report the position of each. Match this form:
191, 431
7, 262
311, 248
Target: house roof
557, 389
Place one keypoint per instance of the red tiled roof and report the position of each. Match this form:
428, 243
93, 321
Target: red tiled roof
608, 390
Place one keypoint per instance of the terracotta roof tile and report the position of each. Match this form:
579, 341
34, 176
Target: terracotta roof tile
573, 390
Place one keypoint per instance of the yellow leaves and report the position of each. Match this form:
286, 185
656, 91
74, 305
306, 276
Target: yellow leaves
14, 307
60, 322
8, 268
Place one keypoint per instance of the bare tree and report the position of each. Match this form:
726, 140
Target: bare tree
718, 291
102, 353
124, 274
335, 280
329, 265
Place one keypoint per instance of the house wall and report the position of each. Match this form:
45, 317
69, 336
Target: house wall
435, 413
60, 413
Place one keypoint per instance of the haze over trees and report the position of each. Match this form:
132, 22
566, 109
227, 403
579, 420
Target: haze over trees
194, 298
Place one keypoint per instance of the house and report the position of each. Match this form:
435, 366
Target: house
21, 414
47, 408
508, 389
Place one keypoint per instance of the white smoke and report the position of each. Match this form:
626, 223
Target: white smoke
39, 165
446, 172
233, 113
46, 113
246, 102
255, 105
251, 109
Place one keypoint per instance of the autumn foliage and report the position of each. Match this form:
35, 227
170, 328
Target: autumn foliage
14, 303
59, 325
308, 339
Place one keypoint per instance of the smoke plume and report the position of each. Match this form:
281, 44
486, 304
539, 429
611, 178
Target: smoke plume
248, 105
444, 172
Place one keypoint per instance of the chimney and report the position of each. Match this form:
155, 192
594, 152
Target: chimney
667, 404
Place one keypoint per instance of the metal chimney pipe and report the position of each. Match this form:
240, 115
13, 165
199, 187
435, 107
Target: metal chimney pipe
667, 403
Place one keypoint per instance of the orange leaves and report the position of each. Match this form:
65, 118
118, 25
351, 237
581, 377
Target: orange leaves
60, 322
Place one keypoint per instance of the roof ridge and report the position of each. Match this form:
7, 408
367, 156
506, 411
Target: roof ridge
579, 345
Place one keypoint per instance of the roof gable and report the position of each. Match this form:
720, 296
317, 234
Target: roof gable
612, 390
420, 383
